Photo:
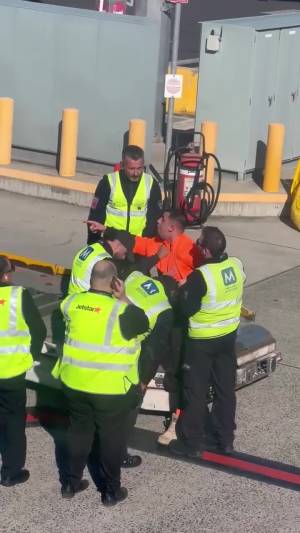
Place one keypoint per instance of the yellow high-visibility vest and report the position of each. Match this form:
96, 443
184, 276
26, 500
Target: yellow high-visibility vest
221, 306
15, 339
119, 214
96, 357
148, 294
82, 267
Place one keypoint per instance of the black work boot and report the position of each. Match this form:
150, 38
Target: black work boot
177, 447
226, 449
109, 499
68, 491
131, 461
11, 481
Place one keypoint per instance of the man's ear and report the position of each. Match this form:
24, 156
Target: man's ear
205, 252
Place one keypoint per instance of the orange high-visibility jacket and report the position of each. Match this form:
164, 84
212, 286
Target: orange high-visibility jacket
184, 255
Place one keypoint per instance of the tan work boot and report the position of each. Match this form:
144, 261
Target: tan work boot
165, 438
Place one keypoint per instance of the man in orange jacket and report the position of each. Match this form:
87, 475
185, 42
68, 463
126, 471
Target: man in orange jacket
174, 253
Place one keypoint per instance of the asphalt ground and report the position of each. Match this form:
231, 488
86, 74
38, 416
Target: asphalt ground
167, 494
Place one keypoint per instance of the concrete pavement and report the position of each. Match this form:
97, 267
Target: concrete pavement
167, 494
53, 231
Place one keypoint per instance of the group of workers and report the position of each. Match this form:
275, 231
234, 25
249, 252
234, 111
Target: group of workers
141, 294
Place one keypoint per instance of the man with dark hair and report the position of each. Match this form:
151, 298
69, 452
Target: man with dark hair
211, 300
128, 199
112, 245
172, 252
21, 337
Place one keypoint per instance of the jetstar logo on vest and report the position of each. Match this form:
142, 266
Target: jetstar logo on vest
2, 302
89, 308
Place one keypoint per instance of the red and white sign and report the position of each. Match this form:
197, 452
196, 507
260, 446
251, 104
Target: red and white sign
173, 85
178, 1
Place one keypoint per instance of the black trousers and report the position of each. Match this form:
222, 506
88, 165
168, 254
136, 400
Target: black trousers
98, 424
12, 425
206, 361
154, 352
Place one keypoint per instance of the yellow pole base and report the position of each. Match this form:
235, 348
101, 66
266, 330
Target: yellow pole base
272, 170
68, 147
137, 132
6, 129
209, 130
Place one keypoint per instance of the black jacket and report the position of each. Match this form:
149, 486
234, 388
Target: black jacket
100, 201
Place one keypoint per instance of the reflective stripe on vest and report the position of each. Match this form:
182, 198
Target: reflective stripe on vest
15, 357
100, 348
96, 366
19, 348
221, 306
117, 215
197, 325
138, 291
82, 267
96, 357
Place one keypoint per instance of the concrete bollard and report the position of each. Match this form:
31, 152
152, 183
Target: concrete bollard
272, 170
209, 130
68, 147
137, 132
6, 129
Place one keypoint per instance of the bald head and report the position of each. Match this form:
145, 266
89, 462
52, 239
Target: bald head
102, 275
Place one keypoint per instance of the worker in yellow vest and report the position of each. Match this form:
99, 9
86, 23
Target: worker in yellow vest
99, 374
22, 333
85, 259
128, 199
211, 299
151, 296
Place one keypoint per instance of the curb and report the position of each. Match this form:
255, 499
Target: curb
80, 193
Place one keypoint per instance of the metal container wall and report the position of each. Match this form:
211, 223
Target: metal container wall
52, 57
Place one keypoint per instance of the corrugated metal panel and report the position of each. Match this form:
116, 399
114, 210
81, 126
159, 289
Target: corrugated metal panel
53, 57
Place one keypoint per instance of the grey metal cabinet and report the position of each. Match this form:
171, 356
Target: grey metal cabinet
287, 89
262, 101
249, 79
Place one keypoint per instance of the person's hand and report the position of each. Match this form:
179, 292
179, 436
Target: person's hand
143, 387
163, 252
181, 282
95, 227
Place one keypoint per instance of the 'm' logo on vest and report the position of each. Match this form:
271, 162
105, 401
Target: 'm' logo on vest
149, 287
85, 253
228, 276
89, 308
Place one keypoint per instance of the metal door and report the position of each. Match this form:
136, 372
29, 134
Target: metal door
262, 102
287, 89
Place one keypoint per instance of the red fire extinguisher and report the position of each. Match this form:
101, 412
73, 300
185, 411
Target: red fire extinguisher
186, 187
189, 177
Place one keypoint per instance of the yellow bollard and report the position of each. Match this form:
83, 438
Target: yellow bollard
68, 147
272, 170
137, 132
209, 130
6, 129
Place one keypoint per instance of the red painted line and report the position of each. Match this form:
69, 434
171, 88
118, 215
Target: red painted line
32, 418
246, 466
